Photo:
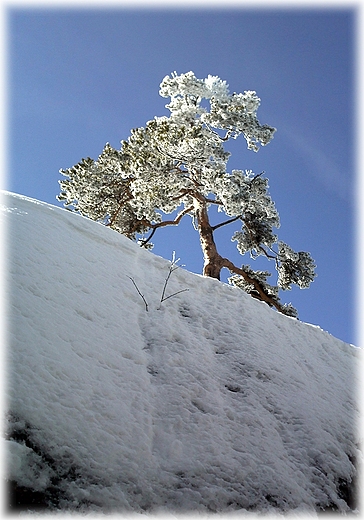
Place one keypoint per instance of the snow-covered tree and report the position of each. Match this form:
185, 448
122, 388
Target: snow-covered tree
178, 165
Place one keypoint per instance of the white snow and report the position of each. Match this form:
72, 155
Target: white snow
210, 401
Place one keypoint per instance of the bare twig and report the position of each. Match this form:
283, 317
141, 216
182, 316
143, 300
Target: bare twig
173, 267
137, 288
174, 294
163, 298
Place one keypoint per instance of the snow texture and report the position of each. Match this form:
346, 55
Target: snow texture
207, 402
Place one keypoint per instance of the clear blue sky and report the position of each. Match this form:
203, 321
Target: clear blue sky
80, 78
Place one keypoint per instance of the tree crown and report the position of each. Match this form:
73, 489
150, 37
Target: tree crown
179, 164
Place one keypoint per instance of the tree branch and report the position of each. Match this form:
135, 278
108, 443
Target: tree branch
174, 222
182, 194
144, 242
225, 223
120, 201
262, 295
225, 138
214, 201
267, 254
259, 246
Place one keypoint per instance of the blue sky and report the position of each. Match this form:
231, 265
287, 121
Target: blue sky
80, 78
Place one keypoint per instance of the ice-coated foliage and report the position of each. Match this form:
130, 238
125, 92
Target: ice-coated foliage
97, 189
179, 164
297, 268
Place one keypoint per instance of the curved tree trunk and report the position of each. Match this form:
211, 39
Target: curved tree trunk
212, 259
214, 262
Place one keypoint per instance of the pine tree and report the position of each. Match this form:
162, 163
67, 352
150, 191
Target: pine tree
178, 164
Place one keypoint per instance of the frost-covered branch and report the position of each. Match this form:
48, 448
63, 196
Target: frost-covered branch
179, 164
173, 267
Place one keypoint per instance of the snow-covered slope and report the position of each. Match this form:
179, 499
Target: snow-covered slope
209, 401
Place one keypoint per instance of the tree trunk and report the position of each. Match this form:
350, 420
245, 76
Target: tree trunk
213, 262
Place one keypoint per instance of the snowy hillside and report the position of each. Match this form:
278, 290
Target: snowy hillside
210, 401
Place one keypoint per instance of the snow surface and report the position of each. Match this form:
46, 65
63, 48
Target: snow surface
210, 401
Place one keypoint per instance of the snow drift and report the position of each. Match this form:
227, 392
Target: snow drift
208, 401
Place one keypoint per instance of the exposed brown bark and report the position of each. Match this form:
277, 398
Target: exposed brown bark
259, 293
214, 262
212, 259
